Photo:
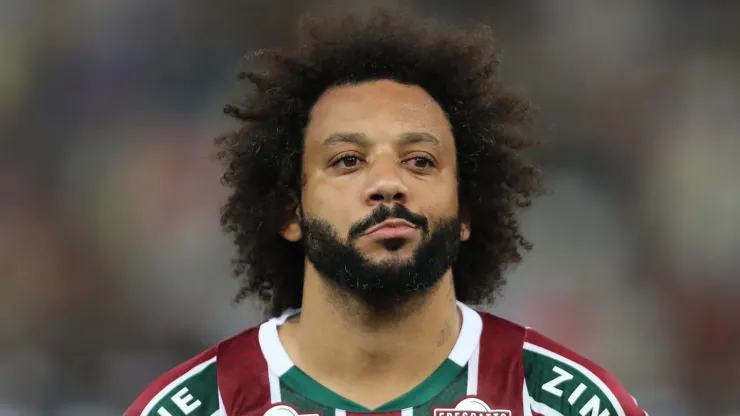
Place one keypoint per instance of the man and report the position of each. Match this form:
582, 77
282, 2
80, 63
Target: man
375, 184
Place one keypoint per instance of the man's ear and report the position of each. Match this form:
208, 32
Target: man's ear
291, 227
464, 223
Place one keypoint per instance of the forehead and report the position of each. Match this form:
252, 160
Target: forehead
377, 107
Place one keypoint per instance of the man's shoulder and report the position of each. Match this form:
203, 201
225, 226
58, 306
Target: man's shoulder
557, 378
192, 388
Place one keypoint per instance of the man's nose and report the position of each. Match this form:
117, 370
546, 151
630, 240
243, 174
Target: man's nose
385, 184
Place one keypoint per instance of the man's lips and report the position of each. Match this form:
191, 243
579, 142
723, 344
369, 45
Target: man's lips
393, 228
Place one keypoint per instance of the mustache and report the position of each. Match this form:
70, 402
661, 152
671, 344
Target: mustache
384, 212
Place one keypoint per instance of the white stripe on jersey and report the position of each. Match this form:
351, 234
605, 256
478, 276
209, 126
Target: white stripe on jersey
544, 409
221, 408
473, 372
526, 400
275, 396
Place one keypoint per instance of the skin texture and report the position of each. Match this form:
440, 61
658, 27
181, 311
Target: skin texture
387, 168
401, 151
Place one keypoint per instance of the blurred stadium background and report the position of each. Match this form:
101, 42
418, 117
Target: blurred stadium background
113, 267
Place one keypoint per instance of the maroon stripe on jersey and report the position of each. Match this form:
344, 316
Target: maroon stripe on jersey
373, 414
243, 378
500, 364
137, 407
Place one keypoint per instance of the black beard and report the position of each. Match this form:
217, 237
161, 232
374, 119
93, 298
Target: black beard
382, 287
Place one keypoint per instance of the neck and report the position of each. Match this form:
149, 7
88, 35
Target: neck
337, 343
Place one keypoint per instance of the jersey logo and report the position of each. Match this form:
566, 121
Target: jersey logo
285, 409
470, 406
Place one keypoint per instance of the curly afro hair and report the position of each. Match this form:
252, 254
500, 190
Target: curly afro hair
460, 69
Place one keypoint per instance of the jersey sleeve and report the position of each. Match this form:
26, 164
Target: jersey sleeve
559, 382
190, 389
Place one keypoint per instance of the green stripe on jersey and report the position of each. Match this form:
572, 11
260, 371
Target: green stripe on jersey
303, 403
455, 391
429, 389
564, 386
193, 394
295, 380
322, 399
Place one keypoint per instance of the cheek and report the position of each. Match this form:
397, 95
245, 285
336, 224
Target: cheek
330, 204
440, 201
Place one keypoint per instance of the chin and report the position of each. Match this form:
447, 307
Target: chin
401, 256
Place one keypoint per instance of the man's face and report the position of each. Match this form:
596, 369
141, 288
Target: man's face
379, 209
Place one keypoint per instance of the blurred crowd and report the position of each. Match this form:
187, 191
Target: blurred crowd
113, 267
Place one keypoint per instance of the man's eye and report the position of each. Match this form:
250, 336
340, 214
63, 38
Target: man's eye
421, 162
348, 161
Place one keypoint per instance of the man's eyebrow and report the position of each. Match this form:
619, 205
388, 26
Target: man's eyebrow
362, 140
339, 138
421, 137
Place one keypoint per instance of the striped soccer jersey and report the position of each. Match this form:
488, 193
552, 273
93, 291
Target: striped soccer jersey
496, 368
